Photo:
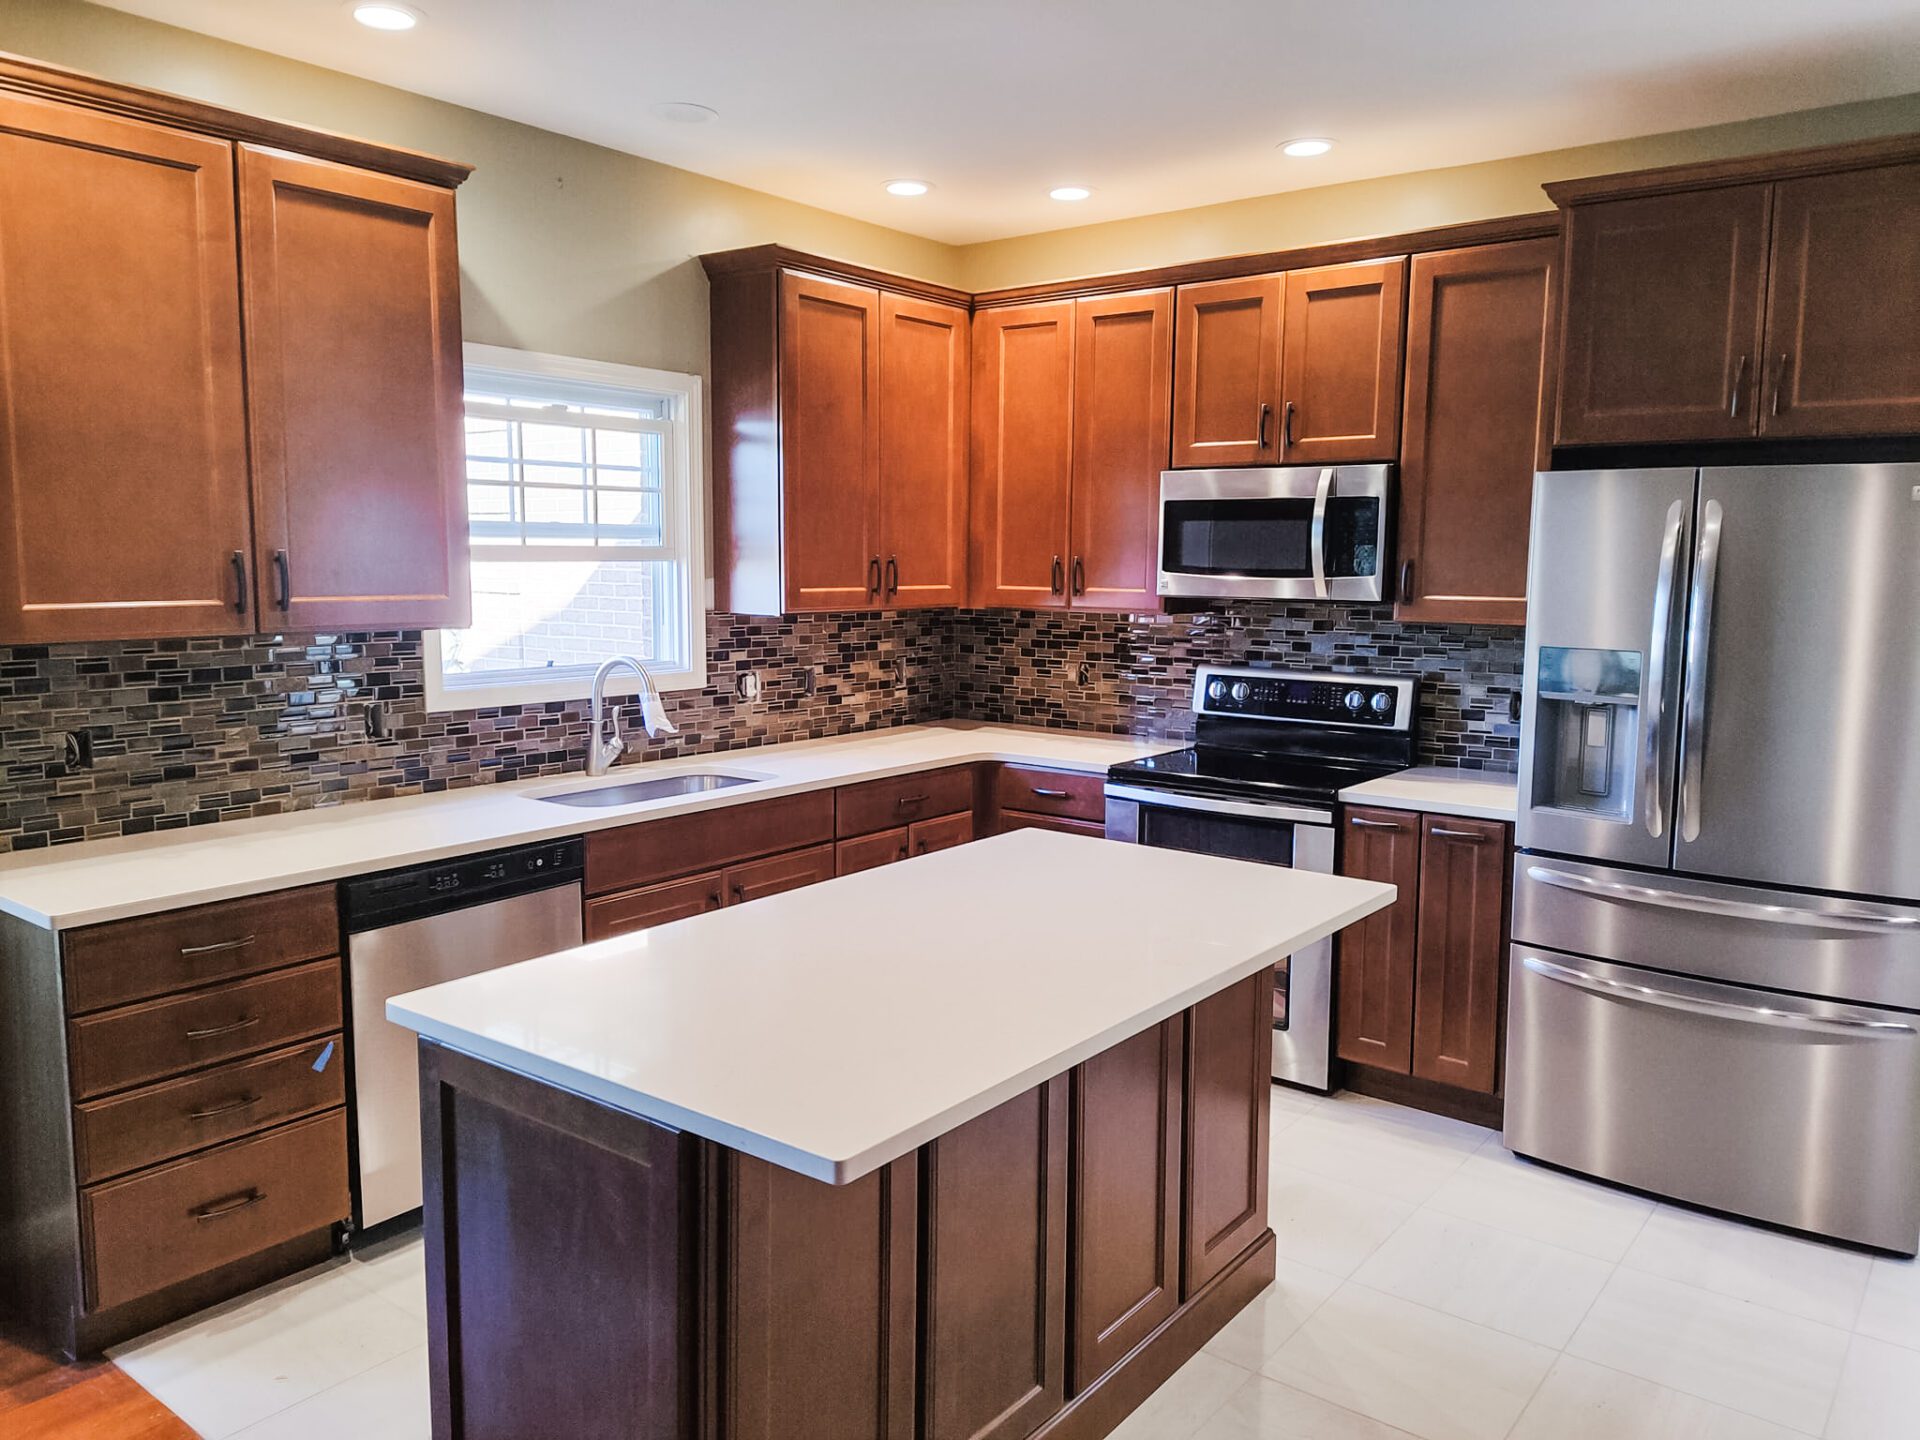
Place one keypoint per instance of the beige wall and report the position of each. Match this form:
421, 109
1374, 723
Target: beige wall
1399, 202
564, 246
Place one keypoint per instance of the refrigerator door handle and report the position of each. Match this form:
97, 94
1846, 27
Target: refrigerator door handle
1699, 638
1318, 543
1654, 778
1871, 921
1778, 1017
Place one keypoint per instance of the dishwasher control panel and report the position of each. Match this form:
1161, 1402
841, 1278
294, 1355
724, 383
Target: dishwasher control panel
394, 896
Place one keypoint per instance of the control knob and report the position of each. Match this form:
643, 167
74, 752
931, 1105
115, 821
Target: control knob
1241, 690
1355, 701
1216, 689
1382, 702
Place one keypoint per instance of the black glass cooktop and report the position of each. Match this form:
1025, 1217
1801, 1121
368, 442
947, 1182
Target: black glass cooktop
1230, 770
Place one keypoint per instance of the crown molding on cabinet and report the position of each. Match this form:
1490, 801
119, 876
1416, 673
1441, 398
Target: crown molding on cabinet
764, 259
1740, 170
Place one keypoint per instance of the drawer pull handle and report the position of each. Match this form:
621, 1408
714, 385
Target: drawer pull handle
1472, 837
219, 945
231, 1207
1049, 794
739, 894
1366, 824
227, 1109
208, 1034
913, 799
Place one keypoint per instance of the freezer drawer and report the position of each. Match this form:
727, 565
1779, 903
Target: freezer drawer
1803, 1113
1854, 950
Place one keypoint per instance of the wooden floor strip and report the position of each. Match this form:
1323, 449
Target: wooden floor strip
43, 1399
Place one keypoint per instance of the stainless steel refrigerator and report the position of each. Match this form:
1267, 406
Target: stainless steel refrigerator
1715, 976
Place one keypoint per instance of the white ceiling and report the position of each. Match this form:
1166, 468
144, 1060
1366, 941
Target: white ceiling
1155, 104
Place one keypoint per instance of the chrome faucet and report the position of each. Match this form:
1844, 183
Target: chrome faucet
605, 744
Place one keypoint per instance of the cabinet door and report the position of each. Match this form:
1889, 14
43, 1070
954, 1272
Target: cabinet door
829, 443
652, 905
1125, 1197
996, 1271
1226, 372
1660, 334
1229, 1085
1374, 967
1340, 365
926, 836
1023, 454
352, 289
1122, 391
777, 874
883, 847
924, 421
123, 467
821, 1304
1463, 897
1477, 388
1843, 348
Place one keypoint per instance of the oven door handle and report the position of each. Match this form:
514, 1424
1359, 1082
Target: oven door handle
1317, 545
1207, 804
1637, 994
1800, 916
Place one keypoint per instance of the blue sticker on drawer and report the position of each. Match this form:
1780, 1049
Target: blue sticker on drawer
325, 1056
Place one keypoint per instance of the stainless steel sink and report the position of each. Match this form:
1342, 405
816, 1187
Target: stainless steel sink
634, 791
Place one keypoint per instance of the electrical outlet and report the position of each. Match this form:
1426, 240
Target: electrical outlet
810, 680
748, 686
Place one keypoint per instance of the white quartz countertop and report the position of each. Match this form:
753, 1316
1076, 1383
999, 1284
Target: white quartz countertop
835, 1028
1475, 794
72, 885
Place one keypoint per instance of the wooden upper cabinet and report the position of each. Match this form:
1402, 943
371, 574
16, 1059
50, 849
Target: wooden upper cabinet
1226, 378
1340, 363
1843, 323
924, 423
123, 468
1460, 959
352, 288
1661, 329
830, 443
1023, 388
1478, 385
1375, 958
1122, 393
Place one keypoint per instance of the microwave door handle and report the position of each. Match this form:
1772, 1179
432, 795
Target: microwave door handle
1699, 640
1653, 776
1318, 541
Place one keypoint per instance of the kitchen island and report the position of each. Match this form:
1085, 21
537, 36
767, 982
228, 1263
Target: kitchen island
968, 1148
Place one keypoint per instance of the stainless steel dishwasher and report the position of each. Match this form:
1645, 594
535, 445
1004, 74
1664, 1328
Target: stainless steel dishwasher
407, 929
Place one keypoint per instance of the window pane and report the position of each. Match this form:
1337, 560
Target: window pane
530, 615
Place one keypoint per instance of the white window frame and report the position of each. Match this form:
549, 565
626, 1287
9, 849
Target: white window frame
686, 520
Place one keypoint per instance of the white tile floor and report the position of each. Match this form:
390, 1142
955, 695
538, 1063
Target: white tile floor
1430, 1285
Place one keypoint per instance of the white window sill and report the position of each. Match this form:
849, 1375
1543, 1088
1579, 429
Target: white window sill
443, 698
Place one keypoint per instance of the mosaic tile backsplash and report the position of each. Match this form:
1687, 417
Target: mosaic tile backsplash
191, 732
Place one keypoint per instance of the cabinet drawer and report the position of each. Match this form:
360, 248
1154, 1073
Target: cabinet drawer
758, 879
902, 799
656, 850
652, 905
164, 1037
867, 851
1051, 792
130, 960
926, 836
163, 1226
1023, 820
144, 1127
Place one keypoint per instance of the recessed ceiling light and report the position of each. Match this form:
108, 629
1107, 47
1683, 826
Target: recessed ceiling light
685, 112
1069, 192
384, 16
1306, 146
908, 187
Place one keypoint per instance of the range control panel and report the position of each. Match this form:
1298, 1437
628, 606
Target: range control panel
1305, 697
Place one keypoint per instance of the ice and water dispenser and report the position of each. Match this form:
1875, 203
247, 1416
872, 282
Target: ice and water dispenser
1588, 731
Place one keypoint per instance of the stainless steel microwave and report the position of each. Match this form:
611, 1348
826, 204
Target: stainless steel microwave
1299, 532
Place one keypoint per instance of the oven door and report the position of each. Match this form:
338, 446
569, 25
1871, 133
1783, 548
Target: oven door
1292, 835
1305, 533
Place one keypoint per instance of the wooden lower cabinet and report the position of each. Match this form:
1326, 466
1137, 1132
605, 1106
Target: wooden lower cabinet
777, 874
1229, 1063
1374, 967
866, 852
1026, 820
996, 1263
820, 1303
1125, 1191
650, 905
926, 836
1458, 965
